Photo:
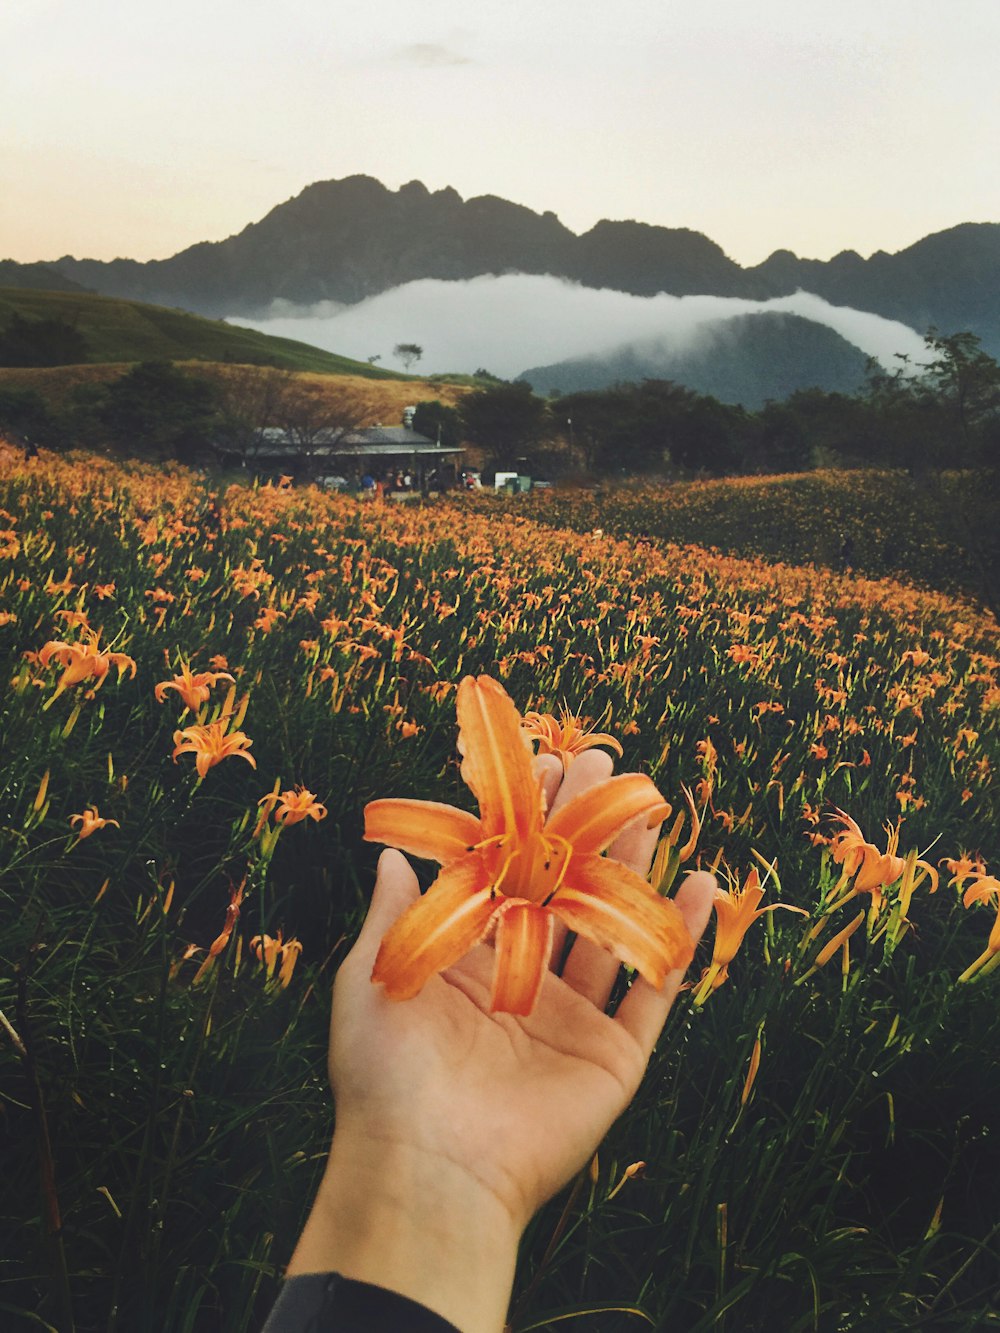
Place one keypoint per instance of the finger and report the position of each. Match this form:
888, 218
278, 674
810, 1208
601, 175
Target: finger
395, 889
591, 767
591, 970
644, 1009
635, 846
549, 772
586, 769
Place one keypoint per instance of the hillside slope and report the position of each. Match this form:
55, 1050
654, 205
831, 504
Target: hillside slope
747, 359
126, 330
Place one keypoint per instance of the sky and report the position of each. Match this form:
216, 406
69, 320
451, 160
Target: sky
137, 129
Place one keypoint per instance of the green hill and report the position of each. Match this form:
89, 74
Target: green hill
122, 331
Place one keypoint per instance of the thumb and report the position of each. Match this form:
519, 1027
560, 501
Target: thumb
396, 888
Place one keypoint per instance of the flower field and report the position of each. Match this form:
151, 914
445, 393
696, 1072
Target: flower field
203, 690
941, 532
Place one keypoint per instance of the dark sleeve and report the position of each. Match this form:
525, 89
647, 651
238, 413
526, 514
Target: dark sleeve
329, 1303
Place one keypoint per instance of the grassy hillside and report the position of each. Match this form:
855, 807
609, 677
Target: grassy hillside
119, 330
937, 532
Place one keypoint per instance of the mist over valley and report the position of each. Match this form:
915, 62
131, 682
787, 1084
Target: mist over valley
515, 322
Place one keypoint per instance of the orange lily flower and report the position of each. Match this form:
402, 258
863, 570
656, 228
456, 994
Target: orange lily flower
193, 688
228, 926
294, 806
83, 661
513, 871
269, 948
875, 870
962, 867
211, 744
736, 910
980, 891
90, 821
565, 737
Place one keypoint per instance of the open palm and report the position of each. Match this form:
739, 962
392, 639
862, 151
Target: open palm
519, 1104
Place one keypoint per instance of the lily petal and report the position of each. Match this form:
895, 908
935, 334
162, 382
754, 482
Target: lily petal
592, 820
439, 929
615, 908
497, 759
523, 945
424, 828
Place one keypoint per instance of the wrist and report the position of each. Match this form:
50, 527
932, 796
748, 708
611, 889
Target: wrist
417, 1223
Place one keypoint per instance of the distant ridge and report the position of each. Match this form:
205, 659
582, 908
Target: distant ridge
345, 240
746, 359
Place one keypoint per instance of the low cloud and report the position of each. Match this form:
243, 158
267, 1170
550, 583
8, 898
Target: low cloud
507, 324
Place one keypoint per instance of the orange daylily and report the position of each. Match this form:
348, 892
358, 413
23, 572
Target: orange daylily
514, 871
565, 737
90, 821
962, 867
875, 870
294, 806
222, 939
211, 744
981, 890
736, 909
83, 661
269, 948
193, 687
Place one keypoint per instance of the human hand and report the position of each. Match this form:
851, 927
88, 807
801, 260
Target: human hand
454, 1124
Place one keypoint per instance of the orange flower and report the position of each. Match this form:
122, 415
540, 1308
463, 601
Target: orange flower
294, 806
736, 909
962, 867
194, 689
270, 948
222, 939
513, 871
83, 661
211, 744
981, 890
875, 870
90, 821
566, 737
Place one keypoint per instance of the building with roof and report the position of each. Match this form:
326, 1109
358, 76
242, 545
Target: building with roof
336, 457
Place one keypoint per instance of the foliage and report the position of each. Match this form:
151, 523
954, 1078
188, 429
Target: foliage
24, 414
503, 419
159, 411
438, 422
847, 1186
408, 353
41, 342
941, 533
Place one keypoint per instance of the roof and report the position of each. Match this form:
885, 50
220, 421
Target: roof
373, 442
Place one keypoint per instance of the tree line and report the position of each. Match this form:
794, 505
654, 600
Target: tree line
944, 412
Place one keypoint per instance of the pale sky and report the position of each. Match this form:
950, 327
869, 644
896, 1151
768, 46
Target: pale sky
136, 129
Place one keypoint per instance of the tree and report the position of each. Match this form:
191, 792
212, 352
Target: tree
505, 419
965, 384
438, 422
156, 409
251, 399
25, 416
41, 342
408, 353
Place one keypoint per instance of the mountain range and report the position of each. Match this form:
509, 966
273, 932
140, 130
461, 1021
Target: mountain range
345, 240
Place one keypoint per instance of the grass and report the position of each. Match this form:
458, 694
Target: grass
849, 1186
127, 331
